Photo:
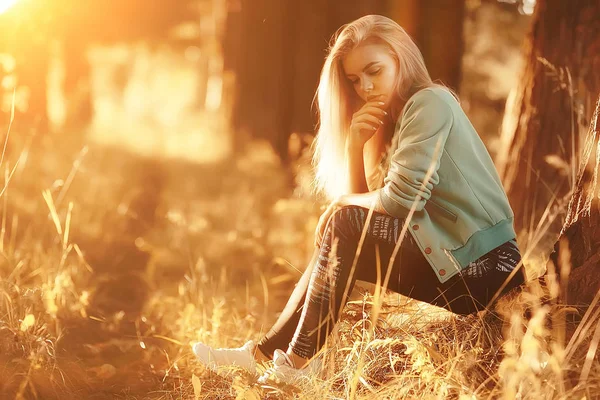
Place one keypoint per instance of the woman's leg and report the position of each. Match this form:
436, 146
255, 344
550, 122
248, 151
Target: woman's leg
411, 275
476, 286
336, 271
280, 334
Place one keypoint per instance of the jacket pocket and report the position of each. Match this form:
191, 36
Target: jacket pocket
444, 212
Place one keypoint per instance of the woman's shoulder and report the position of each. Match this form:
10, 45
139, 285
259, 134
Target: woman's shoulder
433, 94
434, 101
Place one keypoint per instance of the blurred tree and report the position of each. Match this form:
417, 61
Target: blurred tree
493, 33
22, 35
547, 112
29, 29
277, 49
277, 53
437, 28
82, 24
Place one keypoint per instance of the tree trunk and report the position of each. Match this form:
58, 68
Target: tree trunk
442, 39
277, 51
437, 28
545, 118
576, 255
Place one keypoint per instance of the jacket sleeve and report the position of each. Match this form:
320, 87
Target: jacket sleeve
422, 133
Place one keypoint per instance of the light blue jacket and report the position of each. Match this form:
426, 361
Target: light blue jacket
462, 211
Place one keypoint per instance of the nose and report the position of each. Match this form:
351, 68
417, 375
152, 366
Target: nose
367, 86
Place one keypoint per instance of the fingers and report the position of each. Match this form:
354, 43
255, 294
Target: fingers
323, 221
321, 230
318, 234
365, 129
369, 119
318, 231
375, 108
318, 238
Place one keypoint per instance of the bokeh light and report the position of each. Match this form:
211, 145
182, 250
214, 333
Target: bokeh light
6, 4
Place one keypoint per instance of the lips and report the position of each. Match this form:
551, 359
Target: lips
374, 97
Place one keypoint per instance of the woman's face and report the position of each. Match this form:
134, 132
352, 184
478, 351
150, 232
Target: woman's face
372, 71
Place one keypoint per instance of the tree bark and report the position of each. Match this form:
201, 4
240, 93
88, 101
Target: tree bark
437, 28
545, 118
576, 256
441, 39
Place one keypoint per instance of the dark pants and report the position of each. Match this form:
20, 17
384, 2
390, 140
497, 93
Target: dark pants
323, 290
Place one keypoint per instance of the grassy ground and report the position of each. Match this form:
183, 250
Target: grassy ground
112, 264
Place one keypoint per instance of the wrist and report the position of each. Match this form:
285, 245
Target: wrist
353, 146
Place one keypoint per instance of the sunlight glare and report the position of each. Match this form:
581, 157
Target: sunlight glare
6, 4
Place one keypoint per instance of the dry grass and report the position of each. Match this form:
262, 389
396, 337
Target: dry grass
113, 264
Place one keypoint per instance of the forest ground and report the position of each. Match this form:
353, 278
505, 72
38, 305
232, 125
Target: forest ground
114, 263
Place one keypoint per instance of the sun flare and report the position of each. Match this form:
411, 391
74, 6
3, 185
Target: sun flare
6, 4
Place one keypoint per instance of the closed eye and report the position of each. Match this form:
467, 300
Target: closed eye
371, 73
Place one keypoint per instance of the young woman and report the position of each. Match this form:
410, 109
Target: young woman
410, 183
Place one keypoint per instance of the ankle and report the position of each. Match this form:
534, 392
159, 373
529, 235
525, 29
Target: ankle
298, 361
260, 356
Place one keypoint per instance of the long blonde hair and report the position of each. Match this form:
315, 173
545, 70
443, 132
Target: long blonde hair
334, 96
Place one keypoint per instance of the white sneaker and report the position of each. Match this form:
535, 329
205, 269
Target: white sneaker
284, 371
242, 357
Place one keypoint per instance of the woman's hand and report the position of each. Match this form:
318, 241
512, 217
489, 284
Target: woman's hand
365, 122
324, 219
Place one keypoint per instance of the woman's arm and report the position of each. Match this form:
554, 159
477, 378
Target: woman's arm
365, 126
366, 200
356, 168
413, 171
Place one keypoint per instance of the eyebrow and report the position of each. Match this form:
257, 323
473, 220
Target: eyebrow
364, 69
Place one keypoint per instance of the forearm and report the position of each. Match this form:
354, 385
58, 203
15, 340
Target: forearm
356, 169
366, 200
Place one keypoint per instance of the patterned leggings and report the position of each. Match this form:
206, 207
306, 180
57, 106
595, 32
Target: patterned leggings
317, 301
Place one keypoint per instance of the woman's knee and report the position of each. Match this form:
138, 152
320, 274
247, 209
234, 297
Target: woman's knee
348, 221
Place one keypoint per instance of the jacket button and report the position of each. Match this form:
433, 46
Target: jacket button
442, 272
427, 250
416, 227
